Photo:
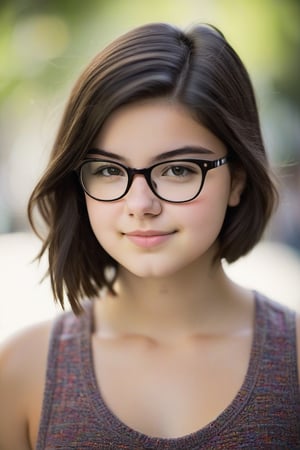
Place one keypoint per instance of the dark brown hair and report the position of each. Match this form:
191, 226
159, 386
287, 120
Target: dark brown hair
198, 69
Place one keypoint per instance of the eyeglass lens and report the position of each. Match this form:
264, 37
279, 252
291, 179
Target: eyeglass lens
174, 181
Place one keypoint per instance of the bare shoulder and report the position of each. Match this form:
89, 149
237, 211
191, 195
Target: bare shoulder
23, 362
298, 342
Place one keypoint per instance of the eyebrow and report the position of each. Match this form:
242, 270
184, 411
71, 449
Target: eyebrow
183, 151
188, 150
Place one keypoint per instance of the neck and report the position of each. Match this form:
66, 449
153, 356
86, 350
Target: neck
195, 300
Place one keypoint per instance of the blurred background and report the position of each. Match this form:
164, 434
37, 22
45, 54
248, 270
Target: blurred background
44, 45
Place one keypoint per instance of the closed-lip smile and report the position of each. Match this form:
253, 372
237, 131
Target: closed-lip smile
147, 233
148, 238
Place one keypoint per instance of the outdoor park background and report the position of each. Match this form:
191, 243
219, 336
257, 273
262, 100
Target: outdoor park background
44, 45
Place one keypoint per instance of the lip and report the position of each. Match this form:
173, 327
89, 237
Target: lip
149, 238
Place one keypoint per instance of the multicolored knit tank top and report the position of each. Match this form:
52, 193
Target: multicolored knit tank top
265, 414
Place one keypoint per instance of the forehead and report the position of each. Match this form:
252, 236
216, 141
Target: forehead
139, 132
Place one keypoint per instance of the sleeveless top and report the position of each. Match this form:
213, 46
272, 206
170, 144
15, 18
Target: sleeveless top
265, 414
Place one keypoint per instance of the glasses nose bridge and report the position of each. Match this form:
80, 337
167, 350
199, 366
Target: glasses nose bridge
145, 172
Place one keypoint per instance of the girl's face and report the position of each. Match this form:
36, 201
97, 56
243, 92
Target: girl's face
148, 236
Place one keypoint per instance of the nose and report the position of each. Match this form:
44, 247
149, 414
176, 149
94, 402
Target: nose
140, 200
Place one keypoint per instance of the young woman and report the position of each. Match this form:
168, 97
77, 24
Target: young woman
158, 173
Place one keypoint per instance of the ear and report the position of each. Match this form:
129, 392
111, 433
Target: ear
238, 182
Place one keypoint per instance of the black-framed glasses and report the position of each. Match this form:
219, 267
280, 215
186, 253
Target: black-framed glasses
176, 181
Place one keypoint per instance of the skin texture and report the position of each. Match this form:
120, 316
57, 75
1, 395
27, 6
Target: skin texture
163, 345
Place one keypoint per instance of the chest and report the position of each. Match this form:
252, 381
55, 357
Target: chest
170, 391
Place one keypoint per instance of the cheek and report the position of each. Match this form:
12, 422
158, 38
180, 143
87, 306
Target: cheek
208, 208
205, 216
101, 216
202, 218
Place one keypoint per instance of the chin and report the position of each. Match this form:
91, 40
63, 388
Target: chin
147, 270
148, 273
155, 271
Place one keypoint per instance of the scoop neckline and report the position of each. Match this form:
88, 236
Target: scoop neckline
201, 435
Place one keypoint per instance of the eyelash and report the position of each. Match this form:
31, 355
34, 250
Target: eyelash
186, 169
100, 171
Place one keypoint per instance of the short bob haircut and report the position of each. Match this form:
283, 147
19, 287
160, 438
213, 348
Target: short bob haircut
199, 70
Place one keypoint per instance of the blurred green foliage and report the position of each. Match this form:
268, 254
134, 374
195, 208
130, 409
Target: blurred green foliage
44, 40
